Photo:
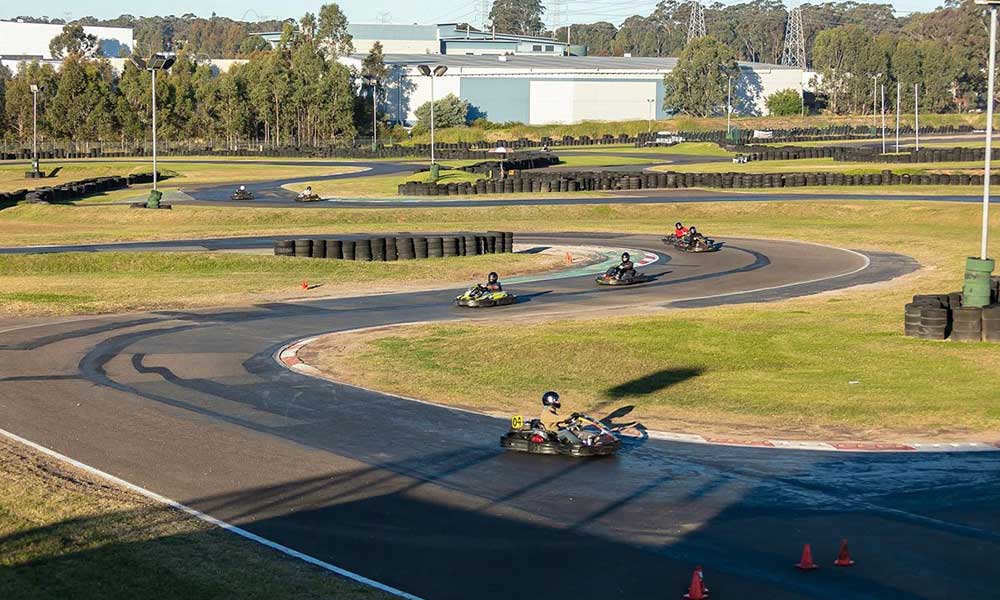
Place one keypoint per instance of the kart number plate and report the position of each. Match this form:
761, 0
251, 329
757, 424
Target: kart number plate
516, 422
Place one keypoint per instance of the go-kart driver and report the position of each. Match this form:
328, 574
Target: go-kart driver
694, 236
680, 230
626, 269
306, 193
493, 282
552, 421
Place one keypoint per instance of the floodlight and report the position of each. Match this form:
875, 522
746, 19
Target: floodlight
424, 69
161, 62
441, 69
138, 61
35, 88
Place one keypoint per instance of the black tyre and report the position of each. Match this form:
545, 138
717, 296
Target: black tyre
334, 249
318, 249
435, 247
303, 248
378, 249
404, 248
420, 247
390, 248
471, 247
363, 250
450, 246
348, 249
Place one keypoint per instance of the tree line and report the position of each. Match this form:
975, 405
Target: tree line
294, 93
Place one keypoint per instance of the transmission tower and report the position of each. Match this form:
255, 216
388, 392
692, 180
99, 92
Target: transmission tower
557, 14
794, 52
696, 26
484, 13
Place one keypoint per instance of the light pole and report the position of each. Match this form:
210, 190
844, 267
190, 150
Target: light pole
34, 129
158, 62
729, 105
437, 71
373, 81
916, 114
883, 118
976, 290
875, 99
652, 101
899, 86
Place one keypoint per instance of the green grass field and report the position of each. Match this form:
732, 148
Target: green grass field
782, 369
76, 283
178, 173
67, 534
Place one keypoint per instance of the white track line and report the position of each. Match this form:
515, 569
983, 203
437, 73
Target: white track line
212, 520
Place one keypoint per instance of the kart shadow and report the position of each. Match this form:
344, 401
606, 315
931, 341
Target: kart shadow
534, 250
521, 298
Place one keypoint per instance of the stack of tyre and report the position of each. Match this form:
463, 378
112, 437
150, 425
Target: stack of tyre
942, 316
398, 247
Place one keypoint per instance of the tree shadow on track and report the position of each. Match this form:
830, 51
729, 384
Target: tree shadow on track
652, 383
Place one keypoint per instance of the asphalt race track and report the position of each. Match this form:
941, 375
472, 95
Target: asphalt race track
192, 405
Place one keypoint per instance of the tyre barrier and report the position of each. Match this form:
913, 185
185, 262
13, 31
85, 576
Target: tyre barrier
942, 316
573, 181
757, 152
73, 190
398, 247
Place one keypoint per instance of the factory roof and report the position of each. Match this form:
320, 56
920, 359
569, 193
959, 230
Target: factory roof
543, 62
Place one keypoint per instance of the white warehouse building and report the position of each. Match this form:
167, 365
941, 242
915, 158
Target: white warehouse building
27, 42
540, 90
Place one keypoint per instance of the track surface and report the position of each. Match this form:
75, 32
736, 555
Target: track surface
193, 406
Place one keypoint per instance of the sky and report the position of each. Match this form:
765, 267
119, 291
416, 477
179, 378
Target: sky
358, 11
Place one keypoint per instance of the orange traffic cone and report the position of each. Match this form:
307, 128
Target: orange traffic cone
305, 284
697, 589
843, 557
806, 562
568, 258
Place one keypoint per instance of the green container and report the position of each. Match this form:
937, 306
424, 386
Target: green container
435, 172
976, 289
154, 199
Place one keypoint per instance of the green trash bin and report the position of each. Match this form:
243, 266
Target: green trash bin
154, 199
976, 289
435, 172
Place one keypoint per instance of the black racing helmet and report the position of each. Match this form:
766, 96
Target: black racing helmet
550, 399
492, 277
693, 230
625, 256
678, 225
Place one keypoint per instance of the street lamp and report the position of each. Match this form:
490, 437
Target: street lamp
729, 104
34, 129
652, 102
160, 61
875, 98
976, 290
434, 73
373, 81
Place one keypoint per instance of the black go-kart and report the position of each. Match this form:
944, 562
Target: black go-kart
242, 195
595, 439
614, 276
478, 296
312, 197
688, 244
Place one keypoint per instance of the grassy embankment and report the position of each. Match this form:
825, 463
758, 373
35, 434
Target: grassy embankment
67, 534
596, 129
833, 366
177, 174
76, 283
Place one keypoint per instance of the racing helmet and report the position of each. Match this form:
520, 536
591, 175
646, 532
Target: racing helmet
625, 256
243, 188
492, 277
678, 225
693, 230
550, 399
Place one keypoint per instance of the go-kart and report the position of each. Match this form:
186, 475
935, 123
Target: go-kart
242, 195
688, 244
478, 296
613, 276
310, 197
595, 439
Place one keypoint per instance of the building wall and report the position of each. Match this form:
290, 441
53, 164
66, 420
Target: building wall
32, 39
364, 46
497, 99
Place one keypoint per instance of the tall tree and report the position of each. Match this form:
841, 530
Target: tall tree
522, 17
74, 41
847, 58
332, 30
697, 85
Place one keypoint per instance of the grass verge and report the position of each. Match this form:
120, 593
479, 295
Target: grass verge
75, 283
181, 173
833, 366
67, 534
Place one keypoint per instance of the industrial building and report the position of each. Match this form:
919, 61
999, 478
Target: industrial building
443, 38
541, 90
27, 42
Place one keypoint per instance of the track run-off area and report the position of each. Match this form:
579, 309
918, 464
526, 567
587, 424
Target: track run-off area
193, 406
